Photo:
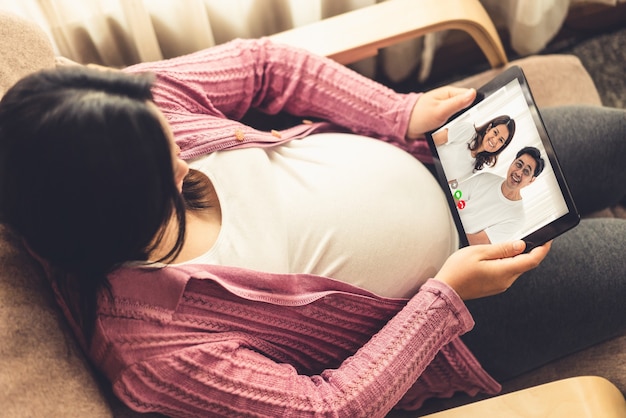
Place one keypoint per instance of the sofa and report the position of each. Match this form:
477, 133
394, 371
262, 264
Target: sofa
43, 373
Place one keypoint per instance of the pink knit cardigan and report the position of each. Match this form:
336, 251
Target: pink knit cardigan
222, 341
204, 340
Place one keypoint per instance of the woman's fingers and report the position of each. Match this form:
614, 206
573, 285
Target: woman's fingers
484, 270
435, 107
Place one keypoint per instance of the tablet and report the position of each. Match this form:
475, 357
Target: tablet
499, 170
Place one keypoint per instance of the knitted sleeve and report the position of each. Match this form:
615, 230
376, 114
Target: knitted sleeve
204, 94
236, 374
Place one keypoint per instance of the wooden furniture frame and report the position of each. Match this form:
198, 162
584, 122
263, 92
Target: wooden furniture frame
359, 34
577, 397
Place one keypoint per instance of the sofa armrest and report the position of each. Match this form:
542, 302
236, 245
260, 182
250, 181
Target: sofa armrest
43, 372
555, 80
24, 48
359, 34
583, 396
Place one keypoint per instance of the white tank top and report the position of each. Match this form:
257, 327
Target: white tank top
338, 205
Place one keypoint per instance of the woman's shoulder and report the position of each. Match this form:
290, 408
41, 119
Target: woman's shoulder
461, 132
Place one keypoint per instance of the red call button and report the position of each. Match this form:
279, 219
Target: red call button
460, 204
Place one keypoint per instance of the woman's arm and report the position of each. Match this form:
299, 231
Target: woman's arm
217, 355
227, 80
440, 137
233, 373
480, 237
205, 94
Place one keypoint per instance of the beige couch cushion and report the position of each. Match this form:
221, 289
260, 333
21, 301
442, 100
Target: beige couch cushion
554, 80
43, 373
24, 48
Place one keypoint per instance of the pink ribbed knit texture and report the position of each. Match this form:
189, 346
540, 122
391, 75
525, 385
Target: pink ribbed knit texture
214, 341
204, 94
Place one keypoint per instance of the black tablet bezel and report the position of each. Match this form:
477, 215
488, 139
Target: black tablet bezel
555, 227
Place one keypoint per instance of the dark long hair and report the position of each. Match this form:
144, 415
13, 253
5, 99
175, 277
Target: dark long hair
86, 177
485, 158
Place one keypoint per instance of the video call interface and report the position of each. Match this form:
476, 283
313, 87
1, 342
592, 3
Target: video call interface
542, 200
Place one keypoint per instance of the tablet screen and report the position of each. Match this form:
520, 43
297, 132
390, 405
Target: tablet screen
497, 165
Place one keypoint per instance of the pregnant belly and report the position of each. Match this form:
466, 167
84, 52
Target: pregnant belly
363, 211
